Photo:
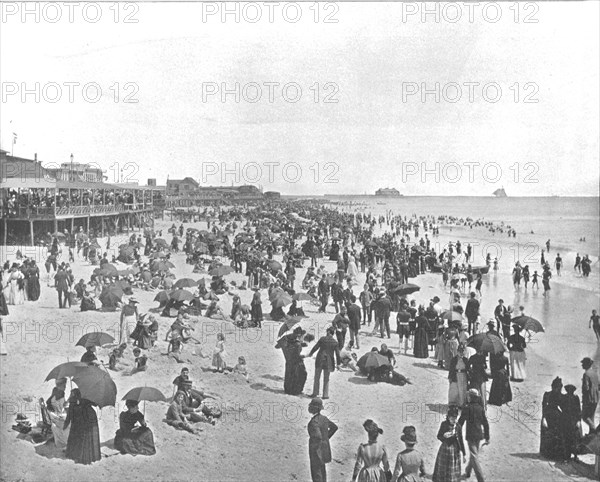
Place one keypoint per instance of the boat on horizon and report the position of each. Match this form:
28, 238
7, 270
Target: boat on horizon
388, 192
500, 192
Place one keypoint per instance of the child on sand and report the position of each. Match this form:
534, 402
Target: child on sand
219, 360
242, 368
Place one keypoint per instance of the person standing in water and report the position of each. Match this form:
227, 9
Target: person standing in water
595, 323
577, 266
548, 246
558, 264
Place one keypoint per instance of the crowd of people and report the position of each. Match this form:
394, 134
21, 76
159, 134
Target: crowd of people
445, 331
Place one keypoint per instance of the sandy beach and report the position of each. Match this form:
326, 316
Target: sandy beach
262, 434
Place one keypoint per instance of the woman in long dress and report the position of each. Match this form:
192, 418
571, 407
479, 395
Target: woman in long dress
448, 460
450, 345
56, 410
516, 349
371, 460
352, 272
129, 320
14, 290
83, 445
500, 391
295, 371
132, 439
421, 342
552, 436
457, 390
33, 281
410, 466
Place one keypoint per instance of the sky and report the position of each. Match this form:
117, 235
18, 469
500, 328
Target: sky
385, 96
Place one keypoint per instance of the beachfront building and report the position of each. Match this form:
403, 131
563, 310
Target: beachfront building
181, 198
272, 196
388, 192
34, 203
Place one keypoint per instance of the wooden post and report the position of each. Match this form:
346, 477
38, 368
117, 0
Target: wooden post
31, 231
5, 231
72, 226
102, 225
55, 225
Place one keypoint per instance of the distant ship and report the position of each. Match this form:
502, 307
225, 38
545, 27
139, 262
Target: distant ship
500, 192
388, 192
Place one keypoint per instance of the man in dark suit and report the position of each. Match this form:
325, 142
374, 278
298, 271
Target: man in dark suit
385, 306
320, 430
472, 312
478, 429
323, 290
325, 363
354, 317
61, 280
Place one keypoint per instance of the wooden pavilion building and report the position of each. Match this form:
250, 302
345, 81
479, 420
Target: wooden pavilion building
34, 203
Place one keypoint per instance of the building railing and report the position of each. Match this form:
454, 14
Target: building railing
44, 211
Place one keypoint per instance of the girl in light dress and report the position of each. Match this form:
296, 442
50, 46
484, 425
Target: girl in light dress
371, 461
219, 360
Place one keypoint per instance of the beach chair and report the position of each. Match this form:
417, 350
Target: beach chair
46, 422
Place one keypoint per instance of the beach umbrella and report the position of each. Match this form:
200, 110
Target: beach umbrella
111, 296
528, 323
281, 300
406, 289
95, 245
58, 234
96, 338
480, 269
185, 283
221, 271
160, 242
163, 266
302, 297
486, 342
452, 316
96, 385
181, 295
201, 247
147, 394
146, 276
162, 297
126, 251
372, 360
274, 265
109, 270
65, 370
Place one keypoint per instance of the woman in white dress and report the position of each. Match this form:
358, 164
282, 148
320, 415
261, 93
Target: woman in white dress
56, 410
14, 291
352, 272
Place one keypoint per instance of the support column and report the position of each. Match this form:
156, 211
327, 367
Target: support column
102, 225
72, 226
55, 225
5, 231
31, 232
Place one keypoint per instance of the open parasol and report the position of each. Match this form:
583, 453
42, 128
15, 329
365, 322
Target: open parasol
372, 360
65, 370
302, 297
186, 283
221, 271
406, 289
96, 338
486, 342
528, 323
181, 295
96, 385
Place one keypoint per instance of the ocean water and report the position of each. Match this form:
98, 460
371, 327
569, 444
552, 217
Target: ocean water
563, 220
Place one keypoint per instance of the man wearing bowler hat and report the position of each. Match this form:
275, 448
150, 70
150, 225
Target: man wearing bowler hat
320, 430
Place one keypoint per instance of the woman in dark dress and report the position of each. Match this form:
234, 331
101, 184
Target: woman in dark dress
552, 442
83, 445
421, 341
295, 371
500, 391
571, 407
141, 333
256, 309
32, 275
130, 439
